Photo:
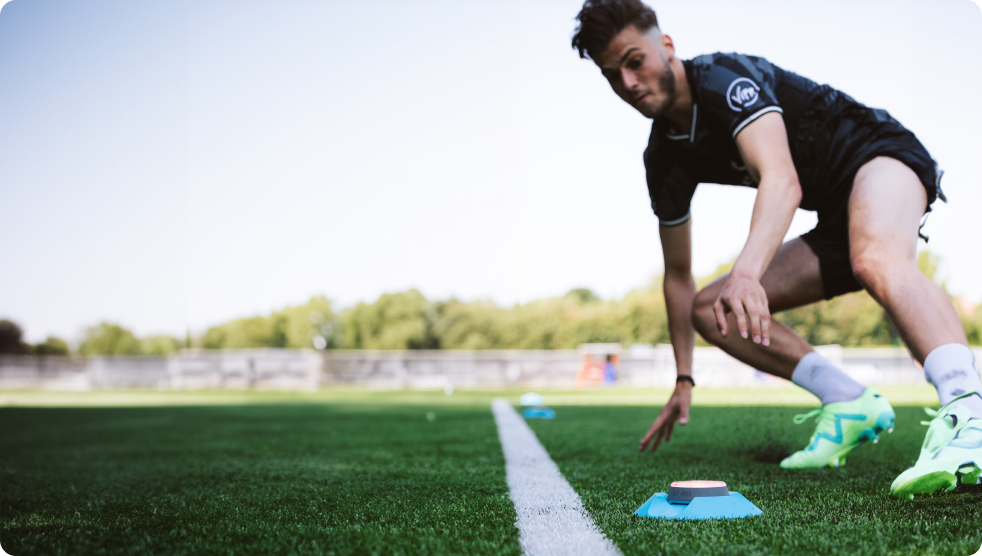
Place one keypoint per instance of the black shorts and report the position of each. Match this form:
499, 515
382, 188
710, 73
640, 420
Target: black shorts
829, 240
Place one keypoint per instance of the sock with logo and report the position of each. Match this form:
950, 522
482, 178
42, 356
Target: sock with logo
820, 377
951, 369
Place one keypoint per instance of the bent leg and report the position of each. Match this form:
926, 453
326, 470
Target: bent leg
885, 210
792, 280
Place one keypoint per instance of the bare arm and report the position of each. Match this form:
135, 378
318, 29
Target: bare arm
764, 147
680, 292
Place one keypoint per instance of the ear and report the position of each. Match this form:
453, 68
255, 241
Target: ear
668, 47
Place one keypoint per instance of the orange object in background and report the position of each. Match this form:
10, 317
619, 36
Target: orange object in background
596, 358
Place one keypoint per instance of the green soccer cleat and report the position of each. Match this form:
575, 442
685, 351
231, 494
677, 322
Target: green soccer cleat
951, 454
841, 427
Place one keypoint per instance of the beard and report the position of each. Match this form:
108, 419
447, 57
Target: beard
666, 86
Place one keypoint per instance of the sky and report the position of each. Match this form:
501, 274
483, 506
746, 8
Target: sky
173, 165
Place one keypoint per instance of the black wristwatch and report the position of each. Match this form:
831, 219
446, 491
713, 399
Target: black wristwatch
685, 378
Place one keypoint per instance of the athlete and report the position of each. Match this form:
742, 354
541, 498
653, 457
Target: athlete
740, 120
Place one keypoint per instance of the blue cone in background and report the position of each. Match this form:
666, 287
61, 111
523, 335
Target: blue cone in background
539, 413
693, 501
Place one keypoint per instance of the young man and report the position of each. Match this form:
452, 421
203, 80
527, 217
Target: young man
740, 120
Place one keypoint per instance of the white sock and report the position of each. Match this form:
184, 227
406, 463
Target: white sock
820, 377
951, 369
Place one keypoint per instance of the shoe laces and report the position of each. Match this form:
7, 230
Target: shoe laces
943, 426
799, 419
932, 413
825, 423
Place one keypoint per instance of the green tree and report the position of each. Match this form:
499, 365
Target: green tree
302, 324
583, 295
642, 315
10, 338
851, 320
292, 327
928, 263
52, 346
254, 332
159, 345
109, 339
474, 325
407, 320
395, 321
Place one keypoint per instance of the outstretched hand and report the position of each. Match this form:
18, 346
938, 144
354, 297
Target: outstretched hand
743, 296
677, 408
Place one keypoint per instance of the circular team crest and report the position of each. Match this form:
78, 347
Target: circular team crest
743, 93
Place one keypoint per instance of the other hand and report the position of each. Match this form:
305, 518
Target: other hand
677, 408
743, 296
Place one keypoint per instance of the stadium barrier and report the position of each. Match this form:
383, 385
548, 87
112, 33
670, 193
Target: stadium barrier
250, 369
281, 369
641, 366
255, 369
29, 372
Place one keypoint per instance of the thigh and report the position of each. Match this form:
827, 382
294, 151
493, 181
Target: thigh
791, 280
885, 209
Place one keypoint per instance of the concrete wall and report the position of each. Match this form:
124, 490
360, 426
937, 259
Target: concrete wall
653, 367
24, 372
643, 367
260, 369
256, 369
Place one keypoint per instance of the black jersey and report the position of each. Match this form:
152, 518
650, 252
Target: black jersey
829, 134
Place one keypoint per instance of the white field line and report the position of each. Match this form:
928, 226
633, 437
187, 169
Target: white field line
550, 515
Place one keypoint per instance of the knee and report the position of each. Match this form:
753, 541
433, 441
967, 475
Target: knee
876, 270
703, 316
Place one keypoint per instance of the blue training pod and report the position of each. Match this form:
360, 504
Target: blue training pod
734, 506
539, 413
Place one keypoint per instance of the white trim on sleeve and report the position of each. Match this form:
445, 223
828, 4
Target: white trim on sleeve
676, 222
754, 116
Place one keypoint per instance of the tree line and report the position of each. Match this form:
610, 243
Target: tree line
407, 320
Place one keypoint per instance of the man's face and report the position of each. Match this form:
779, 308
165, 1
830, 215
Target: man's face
637, 69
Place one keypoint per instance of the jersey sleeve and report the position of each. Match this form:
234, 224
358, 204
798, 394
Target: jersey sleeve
669, 186
735, 89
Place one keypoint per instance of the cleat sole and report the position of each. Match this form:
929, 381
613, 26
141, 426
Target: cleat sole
927, 484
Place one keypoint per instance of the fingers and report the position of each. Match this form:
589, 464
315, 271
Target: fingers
720, 316
647, 438
760, 322
746, 299
654, 430
662, 429
657, 431
765, 328
753, 316
660, 436
741, 317
670, 428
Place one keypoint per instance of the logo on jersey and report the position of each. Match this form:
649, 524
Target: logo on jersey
743, 93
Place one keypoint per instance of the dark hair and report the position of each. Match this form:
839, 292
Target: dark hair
601, 21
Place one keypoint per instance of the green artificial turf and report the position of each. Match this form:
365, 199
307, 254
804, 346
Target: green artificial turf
822, 511
368, 478
266, 479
